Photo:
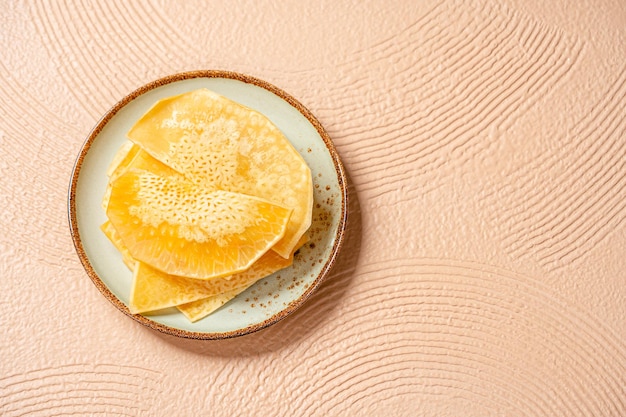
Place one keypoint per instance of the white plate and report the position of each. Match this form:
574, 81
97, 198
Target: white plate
270, 299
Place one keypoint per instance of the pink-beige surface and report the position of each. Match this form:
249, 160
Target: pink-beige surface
483, 268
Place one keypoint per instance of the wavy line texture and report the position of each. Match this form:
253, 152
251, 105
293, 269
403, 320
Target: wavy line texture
84, 389
468, 337
466, 321
452, 84
583, 197
482, 272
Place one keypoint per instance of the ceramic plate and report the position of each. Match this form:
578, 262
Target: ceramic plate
270, 299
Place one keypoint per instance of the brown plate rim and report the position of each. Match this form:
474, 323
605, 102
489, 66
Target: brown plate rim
292, 306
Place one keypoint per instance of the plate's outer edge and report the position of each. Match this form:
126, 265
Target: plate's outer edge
293, 305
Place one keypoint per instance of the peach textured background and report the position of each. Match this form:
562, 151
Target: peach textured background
483, 272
